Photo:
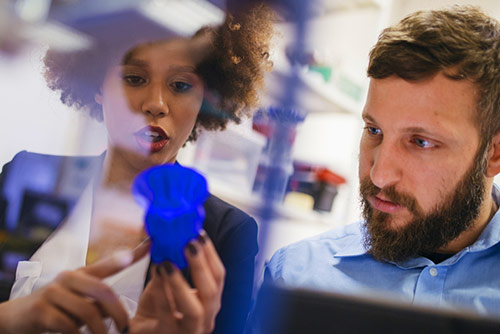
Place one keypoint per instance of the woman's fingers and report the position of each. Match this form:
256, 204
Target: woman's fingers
195, 311
163, 297
202, 274
213, 259
186, 302
208, 274
86, 286
168, 302
34, 314
77, 307
55, 320
157, 312
42, 316
117, 262
90, 284
169, 296
74, 298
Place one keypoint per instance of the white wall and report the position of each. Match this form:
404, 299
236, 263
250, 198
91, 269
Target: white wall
33, 118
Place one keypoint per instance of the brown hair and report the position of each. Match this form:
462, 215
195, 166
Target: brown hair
461, 41
232, 70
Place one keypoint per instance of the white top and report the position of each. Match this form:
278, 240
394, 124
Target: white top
73, 237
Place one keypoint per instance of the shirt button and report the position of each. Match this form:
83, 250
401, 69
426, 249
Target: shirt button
433, 272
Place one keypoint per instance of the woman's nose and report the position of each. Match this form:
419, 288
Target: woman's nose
155, 102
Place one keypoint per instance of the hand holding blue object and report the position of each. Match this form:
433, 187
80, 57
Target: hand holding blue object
173, 198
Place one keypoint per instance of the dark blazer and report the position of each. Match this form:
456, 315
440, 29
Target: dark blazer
32, 183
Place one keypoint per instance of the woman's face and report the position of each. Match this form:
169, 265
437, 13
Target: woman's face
151, 102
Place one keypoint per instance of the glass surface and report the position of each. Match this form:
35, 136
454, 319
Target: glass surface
94, 94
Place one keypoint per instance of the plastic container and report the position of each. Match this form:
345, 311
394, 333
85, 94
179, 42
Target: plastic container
231, 156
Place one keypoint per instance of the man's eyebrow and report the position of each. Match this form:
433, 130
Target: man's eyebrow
416, 129
410, 129
367, 117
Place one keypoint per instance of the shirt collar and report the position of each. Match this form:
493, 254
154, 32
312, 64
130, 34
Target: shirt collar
355, 245
356, 248
491, 233
488, 238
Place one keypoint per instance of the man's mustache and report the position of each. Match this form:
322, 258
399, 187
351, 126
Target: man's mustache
368, 189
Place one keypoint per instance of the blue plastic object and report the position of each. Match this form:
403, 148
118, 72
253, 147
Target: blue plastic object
173, 198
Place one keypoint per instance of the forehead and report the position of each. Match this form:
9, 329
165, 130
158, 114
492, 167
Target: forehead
162, 52
438, 104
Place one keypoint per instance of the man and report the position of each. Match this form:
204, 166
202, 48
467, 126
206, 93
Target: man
428, 155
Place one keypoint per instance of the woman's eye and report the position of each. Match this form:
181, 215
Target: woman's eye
373, 131
423, 143
134, 80
181, 87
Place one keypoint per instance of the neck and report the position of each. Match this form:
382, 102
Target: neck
468, 237
118, 172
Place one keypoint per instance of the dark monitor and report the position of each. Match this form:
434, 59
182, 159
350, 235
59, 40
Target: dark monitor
282, 310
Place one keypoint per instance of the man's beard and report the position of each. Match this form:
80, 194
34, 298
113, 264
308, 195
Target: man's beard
425, 233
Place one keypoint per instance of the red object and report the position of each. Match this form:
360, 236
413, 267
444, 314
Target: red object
327, 176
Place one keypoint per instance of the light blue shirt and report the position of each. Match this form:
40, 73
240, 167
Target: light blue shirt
337, 261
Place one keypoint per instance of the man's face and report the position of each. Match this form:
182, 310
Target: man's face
419, 165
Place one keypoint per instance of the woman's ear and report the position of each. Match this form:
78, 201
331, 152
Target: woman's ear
98, 98
494, 157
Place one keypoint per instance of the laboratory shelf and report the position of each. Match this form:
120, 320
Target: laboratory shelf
252, 204
313, 94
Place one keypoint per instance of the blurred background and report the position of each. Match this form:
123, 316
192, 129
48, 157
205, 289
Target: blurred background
320, 167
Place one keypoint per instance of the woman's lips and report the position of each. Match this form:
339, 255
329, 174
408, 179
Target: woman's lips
151, 138
384, 205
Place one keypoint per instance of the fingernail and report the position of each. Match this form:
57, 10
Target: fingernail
202, 238
192, 248
169, 268
124, 257
125, 330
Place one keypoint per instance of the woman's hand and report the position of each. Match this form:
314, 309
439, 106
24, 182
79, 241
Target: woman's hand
170, 305
73, 299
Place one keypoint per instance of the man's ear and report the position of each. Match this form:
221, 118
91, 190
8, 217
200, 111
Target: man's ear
494, 157
98, 98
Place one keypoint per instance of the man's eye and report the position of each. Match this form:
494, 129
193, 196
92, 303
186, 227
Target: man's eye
181, 87
134, 80
373, 131
423, 143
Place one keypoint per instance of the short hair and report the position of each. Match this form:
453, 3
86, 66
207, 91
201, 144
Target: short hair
232, 70
461, 40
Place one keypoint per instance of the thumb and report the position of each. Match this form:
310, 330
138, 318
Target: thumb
118, 261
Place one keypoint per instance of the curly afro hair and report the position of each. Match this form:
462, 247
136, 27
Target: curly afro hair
232, 69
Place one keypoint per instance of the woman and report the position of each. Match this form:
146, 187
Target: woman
153, 100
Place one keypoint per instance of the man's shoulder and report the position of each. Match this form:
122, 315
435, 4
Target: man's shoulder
331, 241
316, 252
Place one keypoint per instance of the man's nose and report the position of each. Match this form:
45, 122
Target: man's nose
155, 102
386, 169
